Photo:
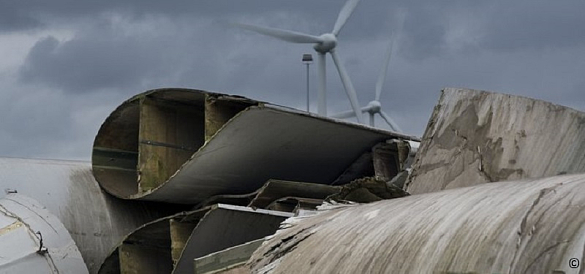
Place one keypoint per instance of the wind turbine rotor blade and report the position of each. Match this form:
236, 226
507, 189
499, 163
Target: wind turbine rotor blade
390, 122
286, 35
389, 52
349, 113
344, 14
344, 115
384, 71
321, 95
347, 85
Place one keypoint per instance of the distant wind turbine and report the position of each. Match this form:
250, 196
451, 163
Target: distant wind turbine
323, 44
375, 107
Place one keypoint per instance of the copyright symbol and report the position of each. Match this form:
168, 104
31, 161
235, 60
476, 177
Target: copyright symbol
574, 263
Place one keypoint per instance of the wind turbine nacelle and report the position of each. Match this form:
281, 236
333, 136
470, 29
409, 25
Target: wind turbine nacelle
328, 44
374, 106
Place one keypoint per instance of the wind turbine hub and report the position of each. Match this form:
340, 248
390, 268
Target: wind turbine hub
328, 44
374, 106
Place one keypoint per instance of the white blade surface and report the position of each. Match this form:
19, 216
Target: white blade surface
390, 122
384, 70
344, 14
348, 113
344, 115
321, 96
286, 35
348, 86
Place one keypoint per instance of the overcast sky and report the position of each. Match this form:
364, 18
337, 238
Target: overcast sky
67, 64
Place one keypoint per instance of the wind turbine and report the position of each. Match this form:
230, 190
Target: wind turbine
323, 44
375, 107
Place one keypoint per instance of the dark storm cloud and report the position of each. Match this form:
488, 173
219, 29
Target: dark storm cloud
99, 57
95, 59
518, 25
421, 40
508, 24
33, 122
499, 25
67, 10
11, 21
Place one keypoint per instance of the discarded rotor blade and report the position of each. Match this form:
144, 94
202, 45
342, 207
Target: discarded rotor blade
390, 122
286, 35
459, 220
348, 86
192, 164
344, 14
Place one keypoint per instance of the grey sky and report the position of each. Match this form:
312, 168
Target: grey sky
67, 64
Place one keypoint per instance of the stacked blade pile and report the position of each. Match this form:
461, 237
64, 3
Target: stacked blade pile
530, 226
187, 181
241, 166
461, 217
